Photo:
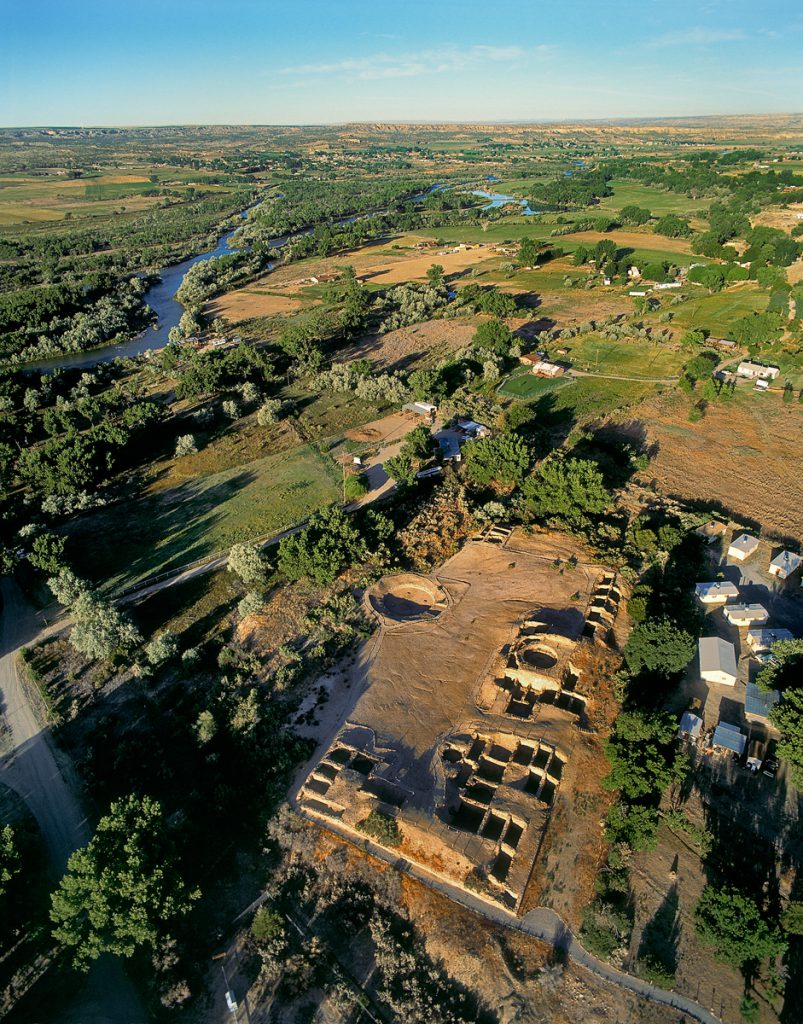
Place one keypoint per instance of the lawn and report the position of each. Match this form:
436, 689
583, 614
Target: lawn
717, 313
522, 384
202, 516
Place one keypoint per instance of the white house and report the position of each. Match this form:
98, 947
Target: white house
784, 564
763, 639
757, 370
543, 368
743, 547
717, 660
741, 615
425, 409
633, 272
716, 593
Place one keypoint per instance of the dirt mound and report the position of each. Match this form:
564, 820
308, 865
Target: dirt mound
407, 598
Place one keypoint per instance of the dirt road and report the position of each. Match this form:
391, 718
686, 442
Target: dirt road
29, 766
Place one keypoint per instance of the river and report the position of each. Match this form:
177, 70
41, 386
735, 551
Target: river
161, 298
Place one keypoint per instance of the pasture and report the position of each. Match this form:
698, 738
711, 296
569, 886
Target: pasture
717, 313
203, 515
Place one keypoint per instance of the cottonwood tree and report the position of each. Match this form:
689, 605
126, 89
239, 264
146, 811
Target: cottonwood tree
100, 630
643, 756
568, 489
735, 926
121, 890
328, 545
499, 462
248, 562
659, 645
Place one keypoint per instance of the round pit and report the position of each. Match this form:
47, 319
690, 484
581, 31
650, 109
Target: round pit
407, 598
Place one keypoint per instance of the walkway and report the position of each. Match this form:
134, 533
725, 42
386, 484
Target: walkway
542, 923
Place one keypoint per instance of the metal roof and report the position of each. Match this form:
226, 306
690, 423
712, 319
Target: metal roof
730, 737
690, 723
717, 655
763, 639
744, 543
760, 702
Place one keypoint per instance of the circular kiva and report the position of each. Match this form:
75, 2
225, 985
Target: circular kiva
407, 598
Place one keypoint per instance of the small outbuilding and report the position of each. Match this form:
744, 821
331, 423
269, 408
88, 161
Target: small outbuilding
719, 592
711, 531
691, 725
426, 410
758, 703
742, 547
741, 615
784, 564
543, 368
729, 737
717, 660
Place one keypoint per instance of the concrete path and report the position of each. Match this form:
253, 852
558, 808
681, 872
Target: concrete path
542, 923
29, 766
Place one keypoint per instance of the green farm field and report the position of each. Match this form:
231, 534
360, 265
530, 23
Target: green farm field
128, 542
658, 202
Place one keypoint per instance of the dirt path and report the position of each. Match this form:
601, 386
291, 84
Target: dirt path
30, 768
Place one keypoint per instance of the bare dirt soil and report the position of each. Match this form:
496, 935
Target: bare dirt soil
398, 349
785, 217
743, 454
382, 431
253, 301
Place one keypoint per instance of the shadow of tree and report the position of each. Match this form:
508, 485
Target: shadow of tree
659, 939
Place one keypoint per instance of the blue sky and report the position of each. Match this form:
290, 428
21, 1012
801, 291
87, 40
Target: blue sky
69, 62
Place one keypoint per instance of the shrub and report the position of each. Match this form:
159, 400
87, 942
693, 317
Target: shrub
185, 445
382, 828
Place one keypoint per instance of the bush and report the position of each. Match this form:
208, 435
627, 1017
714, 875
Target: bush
161, 649
250, 604
248, 562
382, 828
356, 486
185, 445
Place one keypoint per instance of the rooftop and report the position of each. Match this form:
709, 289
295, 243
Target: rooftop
763, 639
758, 702
690, 723
787, 561
717, 655
721, 589
744, 543
729, 737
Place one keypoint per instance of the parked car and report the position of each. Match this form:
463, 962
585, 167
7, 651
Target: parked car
771, 766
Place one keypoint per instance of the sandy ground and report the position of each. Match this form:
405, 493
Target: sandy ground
253, 301
745, 454
414, 268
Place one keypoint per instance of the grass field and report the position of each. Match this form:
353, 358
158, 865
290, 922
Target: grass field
717, 313
125, 543
658, 202
627, 357
526, 387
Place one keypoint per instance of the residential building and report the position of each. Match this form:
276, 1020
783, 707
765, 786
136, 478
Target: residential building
763, 639
711, 531
691, 725
716, 593
784, 564
742, 615
743, 547
717, 660
543, 368
753, 370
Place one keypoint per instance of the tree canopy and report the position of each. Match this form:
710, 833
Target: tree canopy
122, 890
568, 489
325, 548
642, 754
498, 462
734, 925
660, 646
